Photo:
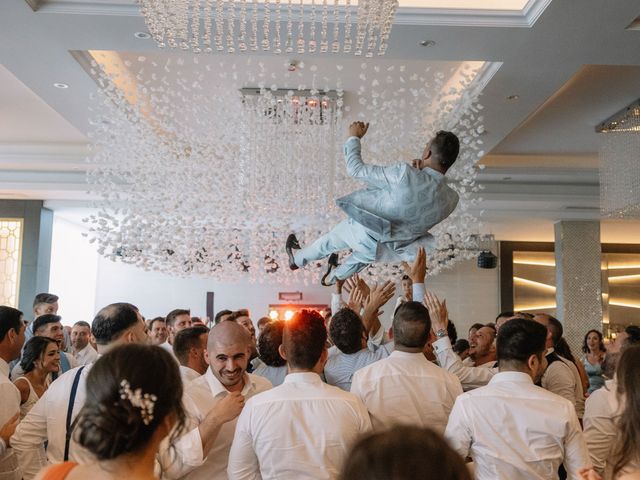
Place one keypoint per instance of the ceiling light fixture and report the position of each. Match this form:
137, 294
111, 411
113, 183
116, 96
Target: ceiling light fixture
61, 86
206, 26
427, 43
513, 97
142, 35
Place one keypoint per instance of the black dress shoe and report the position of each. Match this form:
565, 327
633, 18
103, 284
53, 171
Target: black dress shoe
333, 263
292, 244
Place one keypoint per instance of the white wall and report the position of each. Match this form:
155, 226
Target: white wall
87, 282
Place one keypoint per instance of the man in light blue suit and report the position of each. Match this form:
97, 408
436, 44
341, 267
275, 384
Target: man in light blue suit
391, 217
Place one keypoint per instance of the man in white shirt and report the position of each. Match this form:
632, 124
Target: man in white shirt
189, 347
482, 351
511, 428
176, 320
82, 351
407, 388
602, 408
12, 330
302, 429
224, 384
115, 324
561, 376
357, 340
158, 332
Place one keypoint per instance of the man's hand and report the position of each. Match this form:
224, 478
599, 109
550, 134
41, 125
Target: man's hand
356, 300
9, 428
437, 312
358, 129
339, 285
378, 296
228, 408
417, 271
588, 474
356, 282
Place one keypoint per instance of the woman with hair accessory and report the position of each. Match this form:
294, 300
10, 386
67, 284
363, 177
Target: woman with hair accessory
126, 416
40, 358
594, 350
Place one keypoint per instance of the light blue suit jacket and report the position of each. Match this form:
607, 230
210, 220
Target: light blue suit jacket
400, 203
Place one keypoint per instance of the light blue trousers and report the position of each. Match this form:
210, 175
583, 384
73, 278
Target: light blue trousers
347, 234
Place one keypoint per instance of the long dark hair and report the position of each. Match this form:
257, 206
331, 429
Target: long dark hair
110, 424
585, 347
627, 449
33, 350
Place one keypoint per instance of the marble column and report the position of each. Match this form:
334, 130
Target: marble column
578, 279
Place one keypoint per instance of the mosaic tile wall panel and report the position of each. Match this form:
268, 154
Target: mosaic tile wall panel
10, 253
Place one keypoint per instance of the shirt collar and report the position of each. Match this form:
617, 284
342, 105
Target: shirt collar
217, 388
400, 354
4, 368
550, 350
303, 377
434, 173
517, 377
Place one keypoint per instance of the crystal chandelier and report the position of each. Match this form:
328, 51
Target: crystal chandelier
198, 174
620, 163
361, 27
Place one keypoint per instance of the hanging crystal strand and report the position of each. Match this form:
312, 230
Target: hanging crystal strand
324, 43
242, 46
195, 26
183, 25
301, 28
155, 17
312, 28
266, 20
374, 27
347, 28
219, 24
254, 27
277, 46
335, 45
231, 26
206, 38
363, 23
289, 43
389, 15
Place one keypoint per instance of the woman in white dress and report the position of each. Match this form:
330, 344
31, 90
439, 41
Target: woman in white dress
40, 358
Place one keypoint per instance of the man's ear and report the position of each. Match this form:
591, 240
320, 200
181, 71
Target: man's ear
282, 353
532, 362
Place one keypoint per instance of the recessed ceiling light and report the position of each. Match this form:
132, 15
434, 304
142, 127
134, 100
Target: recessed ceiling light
61, 85
142, 35
427, 43
513, 97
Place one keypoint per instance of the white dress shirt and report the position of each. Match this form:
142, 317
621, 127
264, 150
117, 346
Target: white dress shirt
406, 388
302, 429
9, 406
86, 356
515, 430
470, 377
562, 378
600, 416
200, 396
46, 421
188, 375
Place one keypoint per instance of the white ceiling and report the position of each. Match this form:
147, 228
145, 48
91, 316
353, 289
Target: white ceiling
575, 66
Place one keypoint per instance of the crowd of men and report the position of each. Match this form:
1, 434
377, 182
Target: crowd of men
289, 400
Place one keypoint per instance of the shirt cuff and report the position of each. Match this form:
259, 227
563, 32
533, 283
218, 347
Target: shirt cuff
351, 138
442, 344
418, 292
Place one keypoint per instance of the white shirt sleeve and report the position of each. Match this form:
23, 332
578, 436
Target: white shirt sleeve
336, 303
418, 292
470, 377
243, 461
576, 455
3, 447
599, 429
29, 437
185, 455
559, 379
458, 431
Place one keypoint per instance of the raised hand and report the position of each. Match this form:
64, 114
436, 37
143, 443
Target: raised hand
417, 271
356, 300
379, 295
358, 129
228, 408
437, 312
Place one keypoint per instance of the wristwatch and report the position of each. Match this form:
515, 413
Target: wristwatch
441, 333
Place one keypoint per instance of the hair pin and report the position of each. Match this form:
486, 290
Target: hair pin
144, 401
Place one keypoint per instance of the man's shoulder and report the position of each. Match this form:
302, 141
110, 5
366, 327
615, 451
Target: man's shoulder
603, 401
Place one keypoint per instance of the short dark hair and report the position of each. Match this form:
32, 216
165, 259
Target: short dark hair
173, 314
634, 335
461, 345
82, 323
187, 339
10, 319
269, 342
262, 321
519, 339
233, 316
154, 320
452, 331
112, 321
221, 314
304, 339
44, 320
555, 327
445, 147
403, 453
48, 298
33, 350
503, 315
110, 424
346, 330
411, 325
477, 326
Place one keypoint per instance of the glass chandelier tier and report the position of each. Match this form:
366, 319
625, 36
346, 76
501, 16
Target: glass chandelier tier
199, 174
342, 26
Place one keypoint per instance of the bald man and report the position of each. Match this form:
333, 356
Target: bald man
203, 453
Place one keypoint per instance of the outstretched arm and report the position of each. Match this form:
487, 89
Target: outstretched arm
373, 175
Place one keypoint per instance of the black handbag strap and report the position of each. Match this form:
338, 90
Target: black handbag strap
72, 401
